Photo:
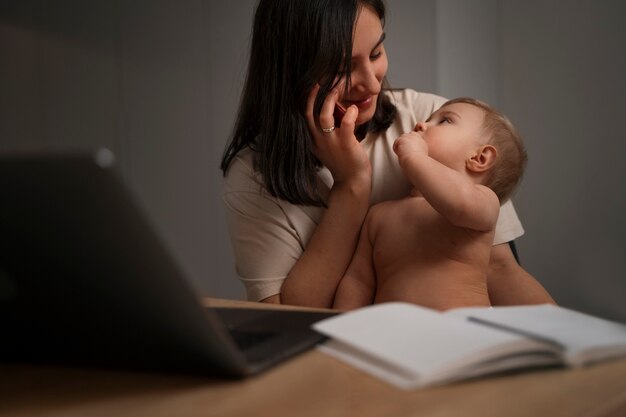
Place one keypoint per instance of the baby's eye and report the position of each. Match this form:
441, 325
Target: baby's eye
445, 120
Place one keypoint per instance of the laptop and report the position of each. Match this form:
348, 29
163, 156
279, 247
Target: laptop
85, 280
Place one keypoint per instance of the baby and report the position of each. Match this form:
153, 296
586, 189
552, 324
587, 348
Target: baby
432, 248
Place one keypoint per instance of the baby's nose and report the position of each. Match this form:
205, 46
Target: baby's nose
420, 127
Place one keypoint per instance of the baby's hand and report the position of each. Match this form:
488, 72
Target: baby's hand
410, 143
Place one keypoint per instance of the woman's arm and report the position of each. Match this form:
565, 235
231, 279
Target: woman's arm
509, 284
358, 285
314, 278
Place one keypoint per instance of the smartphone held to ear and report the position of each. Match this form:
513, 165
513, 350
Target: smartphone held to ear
338, 114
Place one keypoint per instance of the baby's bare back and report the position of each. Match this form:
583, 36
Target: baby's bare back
420, 257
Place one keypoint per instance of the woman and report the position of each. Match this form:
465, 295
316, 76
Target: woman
297, 188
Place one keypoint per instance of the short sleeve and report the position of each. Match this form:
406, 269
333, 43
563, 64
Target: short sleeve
267, 235
509, 226
265, 248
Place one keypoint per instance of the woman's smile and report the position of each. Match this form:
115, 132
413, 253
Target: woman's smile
361, 104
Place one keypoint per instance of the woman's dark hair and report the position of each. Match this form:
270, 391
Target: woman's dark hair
295, 44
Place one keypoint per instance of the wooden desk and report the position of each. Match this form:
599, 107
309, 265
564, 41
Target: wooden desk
310, 385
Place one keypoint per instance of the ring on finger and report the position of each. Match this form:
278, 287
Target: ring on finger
328, 129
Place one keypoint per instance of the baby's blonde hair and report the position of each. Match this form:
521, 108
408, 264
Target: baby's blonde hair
511, 158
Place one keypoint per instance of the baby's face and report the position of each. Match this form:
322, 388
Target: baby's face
453, 133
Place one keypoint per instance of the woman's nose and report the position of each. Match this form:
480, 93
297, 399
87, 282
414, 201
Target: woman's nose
365, 78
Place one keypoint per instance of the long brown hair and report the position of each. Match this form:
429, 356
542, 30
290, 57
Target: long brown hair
295, 44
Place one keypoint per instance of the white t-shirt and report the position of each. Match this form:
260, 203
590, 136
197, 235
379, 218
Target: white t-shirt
269, 234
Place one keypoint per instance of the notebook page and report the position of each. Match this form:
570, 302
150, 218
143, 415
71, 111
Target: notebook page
585, 338
423, 342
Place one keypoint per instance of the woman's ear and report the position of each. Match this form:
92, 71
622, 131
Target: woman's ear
483, 159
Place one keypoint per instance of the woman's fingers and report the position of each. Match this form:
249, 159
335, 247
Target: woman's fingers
327, 120
337, 148
349, 119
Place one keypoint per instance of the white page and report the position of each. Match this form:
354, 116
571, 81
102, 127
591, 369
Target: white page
426, 344
585, 338
405, 379
394, 375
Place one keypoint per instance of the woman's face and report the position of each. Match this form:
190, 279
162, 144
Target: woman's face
369, 65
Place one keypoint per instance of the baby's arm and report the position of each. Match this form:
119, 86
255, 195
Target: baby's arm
358, 285
452, 193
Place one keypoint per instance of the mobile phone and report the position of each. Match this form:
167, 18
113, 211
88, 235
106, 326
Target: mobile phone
338, 114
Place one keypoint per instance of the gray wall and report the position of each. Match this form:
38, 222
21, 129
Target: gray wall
158, 82
151, 80
562, 80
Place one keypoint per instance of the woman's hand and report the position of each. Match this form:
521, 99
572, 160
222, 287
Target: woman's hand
314, 278
339, 150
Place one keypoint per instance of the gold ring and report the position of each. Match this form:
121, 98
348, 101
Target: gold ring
328, 129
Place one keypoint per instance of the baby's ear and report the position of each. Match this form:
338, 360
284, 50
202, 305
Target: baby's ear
483, 159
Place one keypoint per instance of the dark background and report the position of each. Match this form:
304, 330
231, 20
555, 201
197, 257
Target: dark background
158, 82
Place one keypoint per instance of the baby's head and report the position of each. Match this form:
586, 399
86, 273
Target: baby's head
511, 158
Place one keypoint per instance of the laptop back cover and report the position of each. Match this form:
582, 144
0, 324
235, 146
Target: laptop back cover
84, 279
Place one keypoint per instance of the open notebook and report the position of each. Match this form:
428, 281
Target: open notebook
85, 279
411, 346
